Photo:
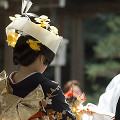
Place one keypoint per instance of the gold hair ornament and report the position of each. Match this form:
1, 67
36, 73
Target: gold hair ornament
34, 44
12, 38
44, 22
17, 16
40, 29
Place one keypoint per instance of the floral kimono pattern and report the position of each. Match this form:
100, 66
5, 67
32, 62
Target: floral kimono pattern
51, 113
35, 97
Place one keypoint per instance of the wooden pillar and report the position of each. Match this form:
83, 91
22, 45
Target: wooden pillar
2, 26
5, 51
77, 50
8, 61
8, 50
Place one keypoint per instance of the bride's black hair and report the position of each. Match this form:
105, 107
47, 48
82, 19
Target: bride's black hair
24, 55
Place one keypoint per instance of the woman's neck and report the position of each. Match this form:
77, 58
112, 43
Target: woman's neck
22, 73
36, 66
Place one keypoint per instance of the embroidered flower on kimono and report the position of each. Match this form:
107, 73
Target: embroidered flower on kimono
53, 90
64, 112
58, 88
68, 118
50, 113
49, 95
58, 116
46, 101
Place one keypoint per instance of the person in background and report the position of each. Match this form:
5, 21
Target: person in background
77, 86
35, 44
117, 113
115, 83
108, 101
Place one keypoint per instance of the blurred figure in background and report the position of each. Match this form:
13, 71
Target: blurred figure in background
108, 101
117, 114
77, 86
74, 97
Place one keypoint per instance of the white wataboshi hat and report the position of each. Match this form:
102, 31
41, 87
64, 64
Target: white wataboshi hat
43, 32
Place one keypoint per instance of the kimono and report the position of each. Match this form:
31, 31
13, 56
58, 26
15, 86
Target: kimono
34, 97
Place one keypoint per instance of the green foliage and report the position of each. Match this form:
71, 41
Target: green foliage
94, 97
114, 23
107, 49
106, 69
103, 39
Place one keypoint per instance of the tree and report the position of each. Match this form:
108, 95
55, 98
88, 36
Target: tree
104, 39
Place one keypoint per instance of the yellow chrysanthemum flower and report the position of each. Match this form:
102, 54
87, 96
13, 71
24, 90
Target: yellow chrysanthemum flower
17, 16
44, 24
44, 18
12, 18
34, 44
43, 21
12, 39
54, 30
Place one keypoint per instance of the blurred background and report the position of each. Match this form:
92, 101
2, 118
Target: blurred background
90, 52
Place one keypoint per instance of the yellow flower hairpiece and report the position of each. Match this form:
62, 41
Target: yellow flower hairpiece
44, 22
12, 39
42, 18
44, 25
34, 44
17, 16
54, 30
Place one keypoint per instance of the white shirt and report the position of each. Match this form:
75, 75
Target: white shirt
107, 101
